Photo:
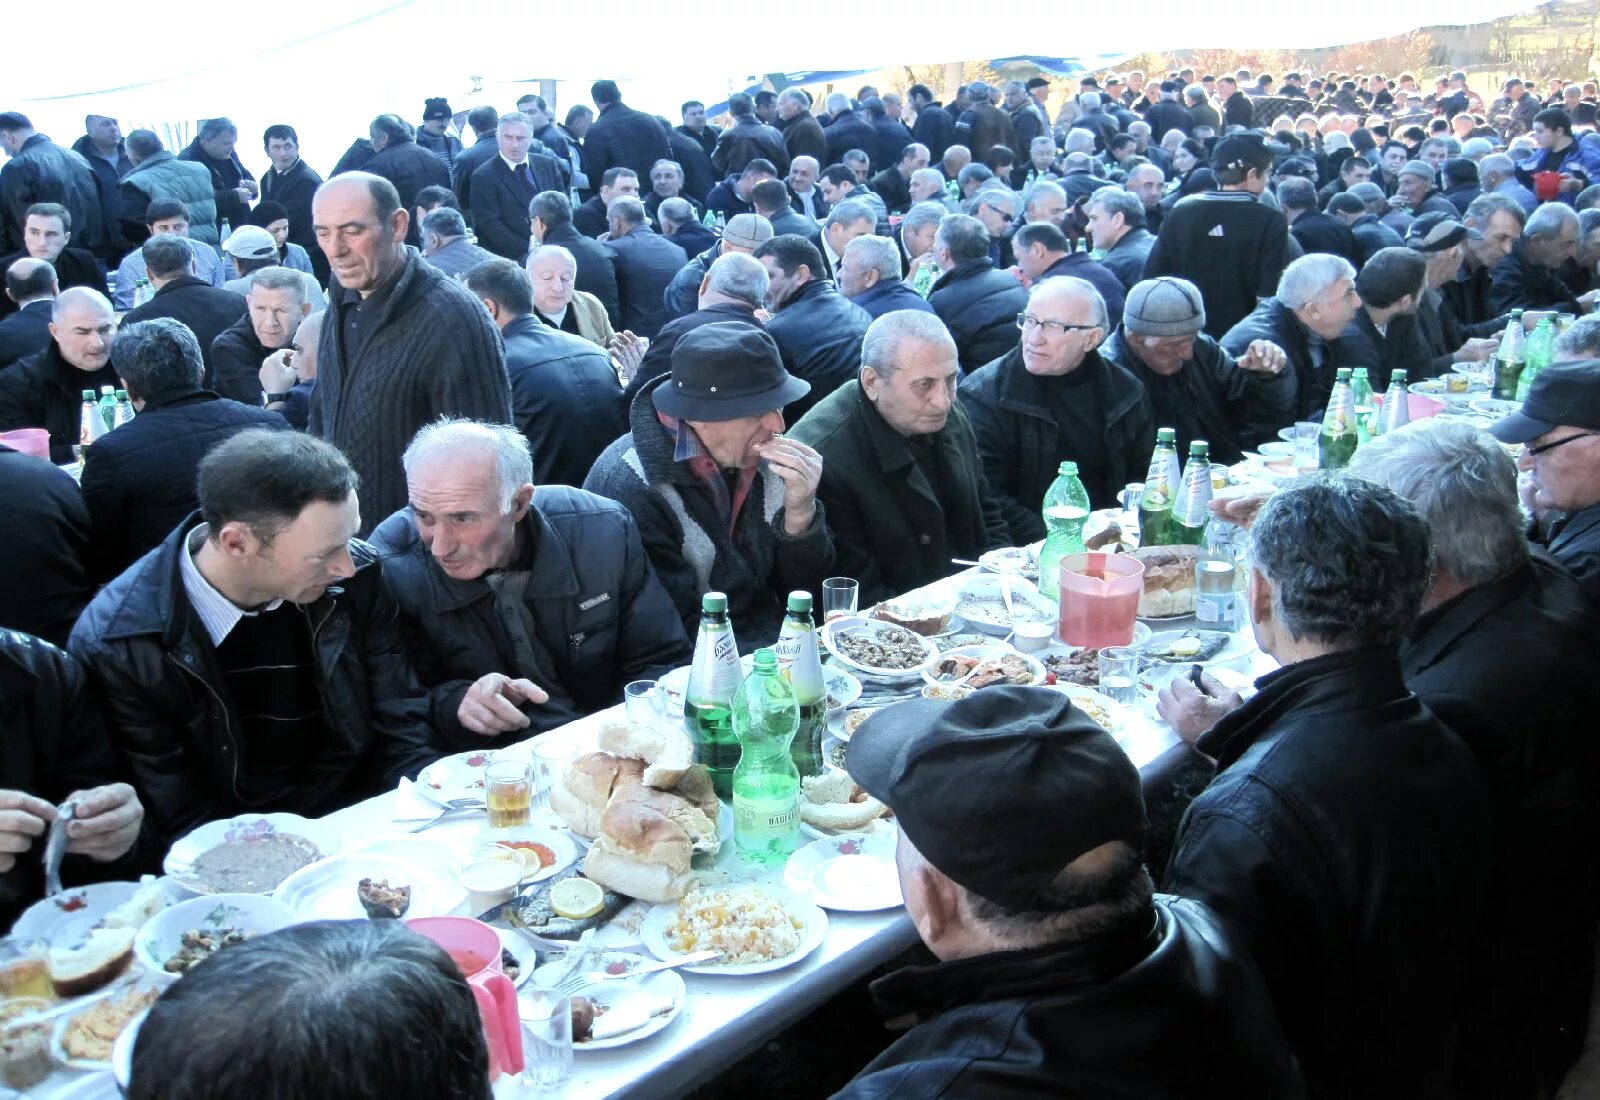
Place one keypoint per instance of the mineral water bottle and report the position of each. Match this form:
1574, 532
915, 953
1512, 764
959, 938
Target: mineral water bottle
108, 407
1192, 511
1337, 443
801, 664
926, 276
1160, 488
124, 411
1066, 507
766, 784
708, 700
1361, 391
1396, 405
1509, 359
710, 220
90, 426
1541, 349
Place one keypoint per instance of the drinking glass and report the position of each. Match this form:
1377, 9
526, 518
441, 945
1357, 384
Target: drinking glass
1119, 673
1307, 453
551, 758
839, 596
508, 785
546, 1039
641, 701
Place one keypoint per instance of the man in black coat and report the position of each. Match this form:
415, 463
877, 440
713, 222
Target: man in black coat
620, 137
276, 305
102, 147
139, 480
693, 161
1531, 276
747, 139
47, 548
564, 393
817, 329
550, 216
1043, 252
870, 275
484, 121
1055, 398
503, 187
490, 614
46, 390
47, 229
1370, 234
1346, 836
1059, 969
803, 135
291, 183
1385, 336
893, 183
934, 128
1166, 113
646, 263
207, 311
31, 288
979, 303
1314, 230
680, 226
847, 131
405, 164
232, 185
1494, 615
39, 170
589, 217
889, 136
733, 288
1499, 219
694, 126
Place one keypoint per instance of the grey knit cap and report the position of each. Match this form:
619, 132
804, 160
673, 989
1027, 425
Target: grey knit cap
1418, 168
1164, 307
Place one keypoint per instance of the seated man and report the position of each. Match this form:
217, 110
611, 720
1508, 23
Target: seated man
1531, 276
722, 501
139, 479
31, 285
48, 543
1193, 385
1496, 615
646, 263
277, 304
47, 227
1043, 252
205, 310
1346, 836
1117, 228
252, 248
445, 244
817, 329
732, 290
869, 275
165, 218
522, 609
253, 661
979, 303
1356, 208
846, 221
559, 304
901, 479
1052, 399
550, 223
1441, 242
771, 199
731, 196
1385, 335
1312, 229
57, 750
744, 233
288, 376
1060, 972
276, 1014
46, 390
1499, 221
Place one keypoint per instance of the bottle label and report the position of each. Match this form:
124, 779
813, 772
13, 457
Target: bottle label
799, 662
765, 819
714, 676
1195, 508
1214, 607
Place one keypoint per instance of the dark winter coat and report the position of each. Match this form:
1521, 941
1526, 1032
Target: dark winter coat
935, 129
682, 295
645, 263
1126, 258
1573, 539
983, 127
848, 131
621, 137
1319, 232
208, 311
500, 203
74, 267
564, 398
294, 190
888, 296
43, 171
1276, 322
25, 332
746, 140
597, 268
1230, 246
803, 136
979, 305
658, 356
698, 175
468, 161
1079, 265
236, 354
1518, 283
889, 140
226, 176
818, 332
410, 168
1371, 235
47, 548
45, 391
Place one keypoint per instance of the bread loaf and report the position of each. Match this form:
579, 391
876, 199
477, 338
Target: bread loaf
98, 962
665, 748
1168, 580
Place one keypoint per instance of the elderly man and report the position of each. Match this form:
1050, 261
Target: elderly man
1499, 220
445, 244
557, 302
1385, 334
46, 390
806, 196
1116, 224
869, 275
139, 480
1415, 193
680, 226
1044, 202
1358, 208
818, 331
1530, 277
771, 200
495, 579
733, 289
847, 219
1226, 242
1148, 183
163, 219
1315, 303
1497, 175
1334, 772
979, 303
47, 229
846, 130
666, 182
984, 126
275, 307
646, 263
803, 135
550, 219
1054, 398
206, 310
996, 206
406, 165
31, 286
1441, 242
893, 184
743, 233
502, 187
233, 187
902, 483
220, 694
723, 502
402, 343
1193, 384
747, 139
1495, 614
1058, 968
1043, 252
916, 234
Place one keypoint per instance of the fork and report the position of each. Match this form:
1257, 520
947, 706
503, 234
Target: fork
576, 982
454, 806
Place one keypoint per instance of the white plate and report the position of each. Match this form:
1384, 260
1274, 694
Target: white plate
1493, 406
983, 605
1018, 561
122, 1055
1112, 715
855, 623
1239, 645
653, 933
557, 840
59, 1030
180, 860
987, 653
642, 994
854, 874
523, 951
842, 687
327, 890
162, 936
454, 777
48, 920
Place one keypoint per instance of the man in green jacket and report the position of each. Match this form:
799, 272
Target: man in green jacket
901, 479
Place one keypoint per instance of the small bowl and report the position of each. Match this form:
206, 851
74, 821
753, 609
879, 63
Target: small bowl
162, 934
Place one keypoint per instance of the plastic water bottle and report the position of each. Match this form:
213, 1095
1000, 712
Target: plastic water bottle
801, 664
90, 425
1161, 486
1066, 507
926, 276
1192, 511
1396, 405
1540, 349
108, 407
766, 785
124, 411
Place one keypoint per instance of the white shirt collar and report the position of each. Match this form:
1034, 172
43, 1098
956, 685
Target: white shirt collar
218, 614
512, 164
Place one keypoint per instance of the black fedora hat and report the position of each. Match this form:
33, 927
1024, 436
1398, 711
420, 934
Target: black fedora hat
725, 371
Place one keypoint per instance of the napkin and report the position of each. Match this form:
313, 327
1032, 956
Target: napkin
409, 805
629, 1014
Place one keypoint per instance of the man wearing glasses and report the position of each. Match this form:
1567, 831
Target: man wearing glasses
996, 208
1560, 423
1053, 398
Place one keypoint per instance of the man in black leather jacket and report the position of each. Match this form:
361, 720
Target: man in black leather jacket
253, 661
1059, 973
522, 608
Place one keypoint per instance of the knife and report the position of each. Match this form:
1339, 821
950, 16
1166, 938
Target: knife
55, 848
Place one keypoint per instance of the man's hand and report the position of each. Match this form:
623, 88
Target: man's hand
105, 823
490, 705
1191, 712
23, 819
278, 373
249, 186
627, 352
762, 315
245, 194
1240, 510
801, 469
1569, 182
1263, 357
1476, 350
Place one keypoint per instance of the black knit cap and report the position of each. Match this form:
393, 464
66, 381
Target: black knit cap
437, 108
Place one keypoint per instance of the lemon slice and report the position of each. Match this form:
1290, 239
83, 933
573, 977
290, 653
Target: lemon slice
1185, 647
576, 898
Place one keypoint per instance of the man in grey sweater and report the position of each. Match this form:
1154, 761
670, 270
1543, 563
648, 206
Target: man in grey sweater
402, 343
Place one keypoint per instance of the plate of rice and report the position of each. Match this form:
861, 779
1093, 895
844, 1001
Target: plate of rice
757, 929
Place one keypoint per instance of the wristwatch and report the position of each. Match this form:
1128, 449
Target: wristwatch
272, 398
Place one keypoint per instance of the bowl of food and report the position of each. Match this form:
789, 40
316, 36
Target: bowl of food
250, 854
978, 667
983, 602
946, 693
25, 1057
924, 613
183, 935
878, 650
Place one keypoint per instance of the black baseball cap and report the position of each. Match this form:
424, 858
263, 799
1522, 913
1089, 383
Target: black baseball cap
1000, 790
1437, 231
1241, 152
725, 371
1566, 393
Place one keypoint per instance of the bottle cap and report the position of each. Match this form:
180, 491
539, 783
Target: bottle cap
1166, 435
765, 660
1343, 375
122, 395
714, 603
1199, 447
1398, 377
800, 603
1068, 469
104, 390
88, 395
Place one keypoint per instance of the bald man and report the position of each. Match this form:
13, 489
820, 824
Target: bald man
45, 390
31, 288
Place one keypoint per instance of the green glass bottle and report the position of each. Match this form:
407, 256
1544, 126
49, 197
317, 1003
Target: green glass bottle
1160, 490
1540, 350
1337, 443
1361, 390
708, 700
1509, 359
1192, 511
766, 784
1066, 508
1396, 405
801, 665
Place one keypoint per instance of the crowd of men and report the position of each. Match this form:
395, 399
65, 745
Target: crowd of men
443, 449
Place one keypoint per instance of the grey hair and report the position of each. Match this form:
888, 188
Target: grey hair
158, 356
1081, 287
1015, 86
1079, 140
928, 173
964, 237
627, 209
445, 222
881, 344
279, 278
1117, 200
836, 102
849, 212
881, 255
448, 437
1549, 219
1043, 188
922, 215
991, 193
1297, 193
1079, 904
1484, 207
216, 127
1497, 163
674, 165
675, 210
793, 95
514, 118
1581, 341
1089, 101
739, 276
1194, 92
1464, 484
547, 250
1477, 148
815, 167
1307, 278
1048, 140
1349, 560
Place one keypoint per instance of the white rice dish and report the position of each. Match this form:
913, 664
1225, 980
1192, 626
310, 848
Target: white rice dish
745, 923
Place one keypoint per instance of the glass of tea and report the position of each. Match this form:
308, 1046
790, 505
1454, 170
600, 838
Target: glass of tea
509, 787
839, 596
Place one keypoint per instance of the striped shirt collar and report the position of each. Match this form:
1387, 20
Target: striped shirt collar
217, 613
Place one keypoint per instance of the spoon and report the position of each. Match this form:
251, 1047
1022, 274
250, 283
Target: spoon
1005, 594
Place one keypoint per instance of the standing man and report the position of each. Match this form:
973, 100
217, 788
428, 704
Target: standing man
935, 129
233, 188
434, 134
291, 183
694, 126
503, 187
101, 146
406, 165
40, 171
802, 133
747, 139
646, 264
620, 137
159, 178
